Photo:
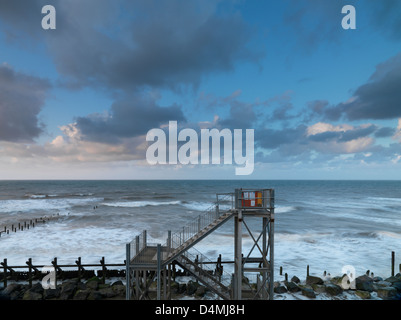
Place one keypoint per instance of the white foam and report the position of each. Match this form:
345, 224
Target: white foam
13, 206
137, 204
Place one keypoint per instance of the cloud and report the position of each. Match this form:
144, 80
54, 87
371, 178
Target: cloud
21, 99
379, 98
130, 116
126, 45
316, 22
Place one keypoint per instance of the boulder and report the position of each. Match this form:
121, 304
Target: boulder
108, 292
333, 289
364, 283
363, 294
51, 293
292, 287
280, 289
93, 283
387, 293
307, 292
200, 291
37, 288
313, 280
119, 289
319, 288
68, 290
31, 295
295, 279
81, 294
191, 287
95, 295
393, 279
12, 287
397, 286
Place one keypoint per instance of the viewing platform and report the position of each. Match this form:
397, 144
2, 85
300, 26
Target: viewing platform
156, 259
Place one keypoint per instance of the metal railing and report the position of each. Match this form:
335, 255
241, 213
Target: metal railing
202, 222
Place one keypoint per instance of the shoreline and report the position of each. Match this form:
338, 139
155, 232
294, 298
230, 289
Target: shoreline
364, 287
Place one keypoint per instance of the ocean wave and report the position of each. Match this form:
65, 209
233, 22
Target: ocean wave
198, 206
284, 209
13, 206
137, 204
41, 196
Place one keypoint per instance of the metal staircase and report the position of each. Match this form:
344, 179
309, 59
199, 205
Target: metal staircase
216, 282
146, 262
181, 242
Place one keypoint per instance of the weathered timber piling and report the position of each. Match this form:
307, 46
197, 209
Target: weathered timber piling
31, 223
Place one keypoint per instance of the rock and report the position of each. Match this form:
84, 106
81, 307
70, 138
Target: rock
292, 287
119, 282
380, 284
30, 295
307, 292
81, 294
37, 288
200, 291
397, 286
182, 288
191, 287
393, 279
95, 295
333, 289
319, 288
108, 292
11, 288
280, 289
119, 289
174, 287
93, 283
51, 293
313, 280
364, 283
295, 279
387, 293
363, 294
68, 290
377, 279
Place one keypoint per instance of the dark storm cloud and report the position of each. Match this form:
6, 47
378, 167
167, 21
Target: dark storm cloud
21, 99
385, 132
317, 22
130, 117
274, 138
129, 44
379, 98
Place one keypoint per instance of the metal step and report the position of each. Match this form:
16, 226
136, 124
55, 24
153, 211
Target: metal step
210, 281
197, 237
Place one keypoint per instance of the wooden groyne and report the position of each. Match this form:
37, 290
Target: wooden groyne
78, 270
26, 224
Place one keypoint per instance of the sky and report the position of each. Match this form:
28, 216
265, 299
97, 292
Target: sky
77, 101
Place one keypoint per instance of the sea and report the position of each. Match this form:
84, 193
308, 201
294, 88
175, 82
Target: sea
325, 225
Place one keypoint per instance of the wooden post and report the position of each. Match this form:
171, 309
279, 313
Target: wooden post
103, 270
281, 271
392, 262
307, 270
29, 263
78, 262
4, 263
286, 277
54, 263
